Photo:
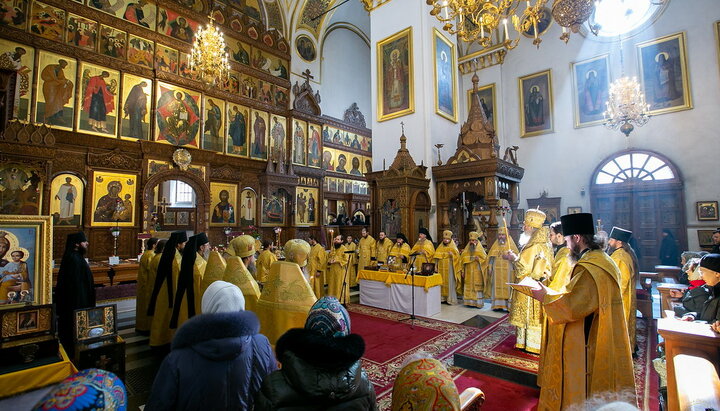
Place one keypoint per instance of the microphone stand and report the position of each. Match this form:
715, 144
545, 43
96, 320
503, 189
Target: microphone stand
411, 273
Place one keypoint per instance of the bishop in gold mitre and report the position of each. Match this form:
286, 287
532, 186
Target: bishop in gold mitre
588, 345
447, 263
472, 259
338, 282
317, 264
237, 272
366, 250
534, 261
382, 248
424, 247
286, 297
499, 272
624, 256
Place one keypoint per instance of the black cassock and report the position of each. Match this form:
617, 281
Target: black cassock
74, 290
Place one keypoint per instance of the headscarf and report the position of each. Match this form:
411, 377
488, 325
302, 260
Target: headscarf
425, 385
222, 297
329, 318
185, 279
90, 389
164, 271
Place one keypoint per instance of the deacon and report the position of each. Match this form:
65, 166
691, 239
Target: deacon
447, 262
161, 300
366, 250
626, 260
499, 272
587, 336
338, 285
264, 261
534, 261
382, 248
562, 263
75, 288
192, 269
352, 260
240, 264
424, 246
400, 250
317, 263
473, 258
286, 298
142, 321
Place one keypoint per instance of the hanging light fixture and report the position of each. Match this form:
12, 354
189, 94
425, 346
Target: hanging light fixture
476, 20
572, 14
626, 106
209, 57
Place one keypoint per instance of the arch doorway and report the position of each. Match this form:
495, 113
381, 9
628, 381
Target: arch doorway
642, 191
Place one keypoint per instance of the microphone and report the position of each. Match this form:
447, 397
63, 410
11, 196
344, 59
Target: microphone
349, 252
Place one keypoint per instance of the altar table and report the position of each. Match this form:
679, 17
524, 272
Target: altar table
392, 291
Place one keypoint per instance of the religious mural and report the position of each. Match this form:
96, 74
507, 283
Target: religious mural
140, 12
66, 200
591, 79
346, 138
445, 81
299, 142
177, 117
19, 57
306, 202
313, 145
305, 48
214, 124
239, 51
47, 21
113, 42
390, 218
269, 63
20, 190
171, 23
81, 32
55, 104
99, 95
536, 107
248, 207
664, 74
141, 51
486, 96
184, 66
135, 120
395, 74
20, 259
277, 138
14, 13
237, 130
259, 131
273, 209
224, 197
113, 199
166, 59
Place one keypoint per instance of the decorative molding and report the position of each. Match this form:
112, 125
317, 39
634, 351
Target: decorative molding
353, 116
115, 159
479, 61
70, 161
371, 5
227, 173
28, 133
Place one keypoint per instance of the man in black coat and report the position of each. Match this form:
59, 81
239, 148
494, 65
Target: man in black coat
75, 288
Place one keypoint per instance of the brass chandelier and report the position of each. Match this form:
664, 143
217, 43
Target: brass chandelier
626, 107
209, 57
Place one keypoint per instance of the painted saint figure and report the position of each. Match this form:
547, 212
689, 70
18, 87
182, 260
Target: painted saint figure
534, 110
278, 140
314, 151
135, 108
67, 193
107, 205
299, 145
395, 82
213, 123
57, 91
98, 101
224, 212
237, 131
665, 89
259, 150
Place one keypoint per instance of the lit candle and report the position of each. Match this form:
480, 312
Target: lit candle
482, 30
507, 37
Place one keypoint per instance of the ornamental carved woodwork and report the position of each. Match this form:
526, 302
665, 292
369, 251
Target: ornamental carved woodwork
226, 172
305, 101
115, 159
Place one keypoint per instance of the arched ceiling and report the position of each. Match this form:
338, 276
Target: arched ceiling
289, 16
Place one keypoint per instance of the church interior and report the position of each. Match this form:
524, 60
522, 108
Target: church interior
463, 204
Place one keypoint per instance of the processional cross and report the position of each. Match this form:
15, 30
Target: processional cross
307, 75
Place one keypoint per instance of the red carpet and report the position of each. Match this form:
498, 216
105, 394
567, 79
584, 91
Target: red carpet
497, 345
500, 395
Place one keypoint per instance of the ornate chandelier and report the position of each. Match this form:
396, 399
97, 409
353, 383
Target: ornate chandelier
209, 57
476, 20
626, 106
572, 14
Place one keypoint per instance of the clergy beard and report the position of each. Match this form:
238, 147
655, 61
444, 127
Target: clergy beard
574, 253
206, 253
524, 239
82, 249
251, 267
337, 245
472, 248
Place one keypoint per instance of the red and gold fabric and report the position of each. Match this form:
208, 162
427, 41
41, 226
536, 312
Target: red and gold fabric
425, 384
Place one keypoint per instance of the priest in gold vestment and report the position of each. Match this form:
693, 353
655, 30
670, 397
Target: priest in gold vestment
473, 260
264, 261
447, 263
144, 288
382, 248
588, 350
286, 297
400, 250
352, 260
535, 261
499, 272
424, 247
163, 294
626, 260
366, 250
337, 260
317, 264
238, 267
562, 263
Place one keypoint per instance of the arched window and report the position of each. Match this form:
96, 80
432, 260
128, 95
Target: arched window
635, 165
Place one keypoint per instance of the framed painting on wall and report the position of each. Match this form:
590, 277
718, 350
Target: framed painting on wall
113, 42
141, 51
306, 201
574, 210
223, 213
176, 26
47, 21
21, 189
135, 121
396, 96
26, 248
277, 137
99, 100
166, 59
214, 125
177, 115
81, 32
591, 80
314, 145
536, 105
273, 210
258, 143
66, 200
139, 12
664, 74
299, 142
19, 57
445, 77
707, 210
16, 18
239, 51
486, 98
248, 207
238, 118
705, 238
113, 199
55, 105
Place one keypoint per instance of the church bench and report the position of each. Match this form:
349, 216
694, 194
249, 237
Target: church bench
698, 384
666, 302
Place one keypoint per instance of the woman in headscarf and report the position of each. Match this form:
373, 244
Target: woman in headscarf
321, 367
709, 309
90, 389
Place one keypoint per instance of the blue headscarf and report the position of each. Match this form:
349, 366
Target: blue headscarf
329, 318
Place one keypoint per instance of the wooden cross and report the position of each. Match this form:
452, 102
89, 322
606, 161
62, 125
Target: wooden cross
307, 75
162, 205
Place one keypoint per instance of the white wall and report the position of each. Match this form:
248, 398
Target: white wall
562, 163
345, 74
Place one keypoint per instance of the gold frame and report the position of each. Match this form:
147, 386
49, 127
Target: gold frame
700, 204
576, 103
95, 196
215, 189
494, 100
43, 247
523, 131
687, 98
380, 77
82, 327
296, 219
156, 103
453, 76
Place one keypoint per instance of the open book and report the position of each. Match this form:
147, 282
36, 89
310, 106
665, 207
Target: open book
527, 284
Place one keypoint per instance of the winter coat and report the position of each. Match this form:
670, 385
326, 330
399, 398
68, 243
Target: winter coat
218, 362
317, 373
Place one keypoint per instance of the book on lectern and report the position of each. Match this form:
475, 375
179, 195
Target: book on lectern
527, 285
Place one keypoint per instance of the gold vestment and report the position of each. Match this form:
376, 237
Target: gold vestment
160, 331
337, 260
236, 273
352, 263
561, 270
624, 261
215, 271
366, 251
499, 272
399, 253
382, 249
263, 263
474, 284
317, 263
144, 291
426, 250
447, 263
